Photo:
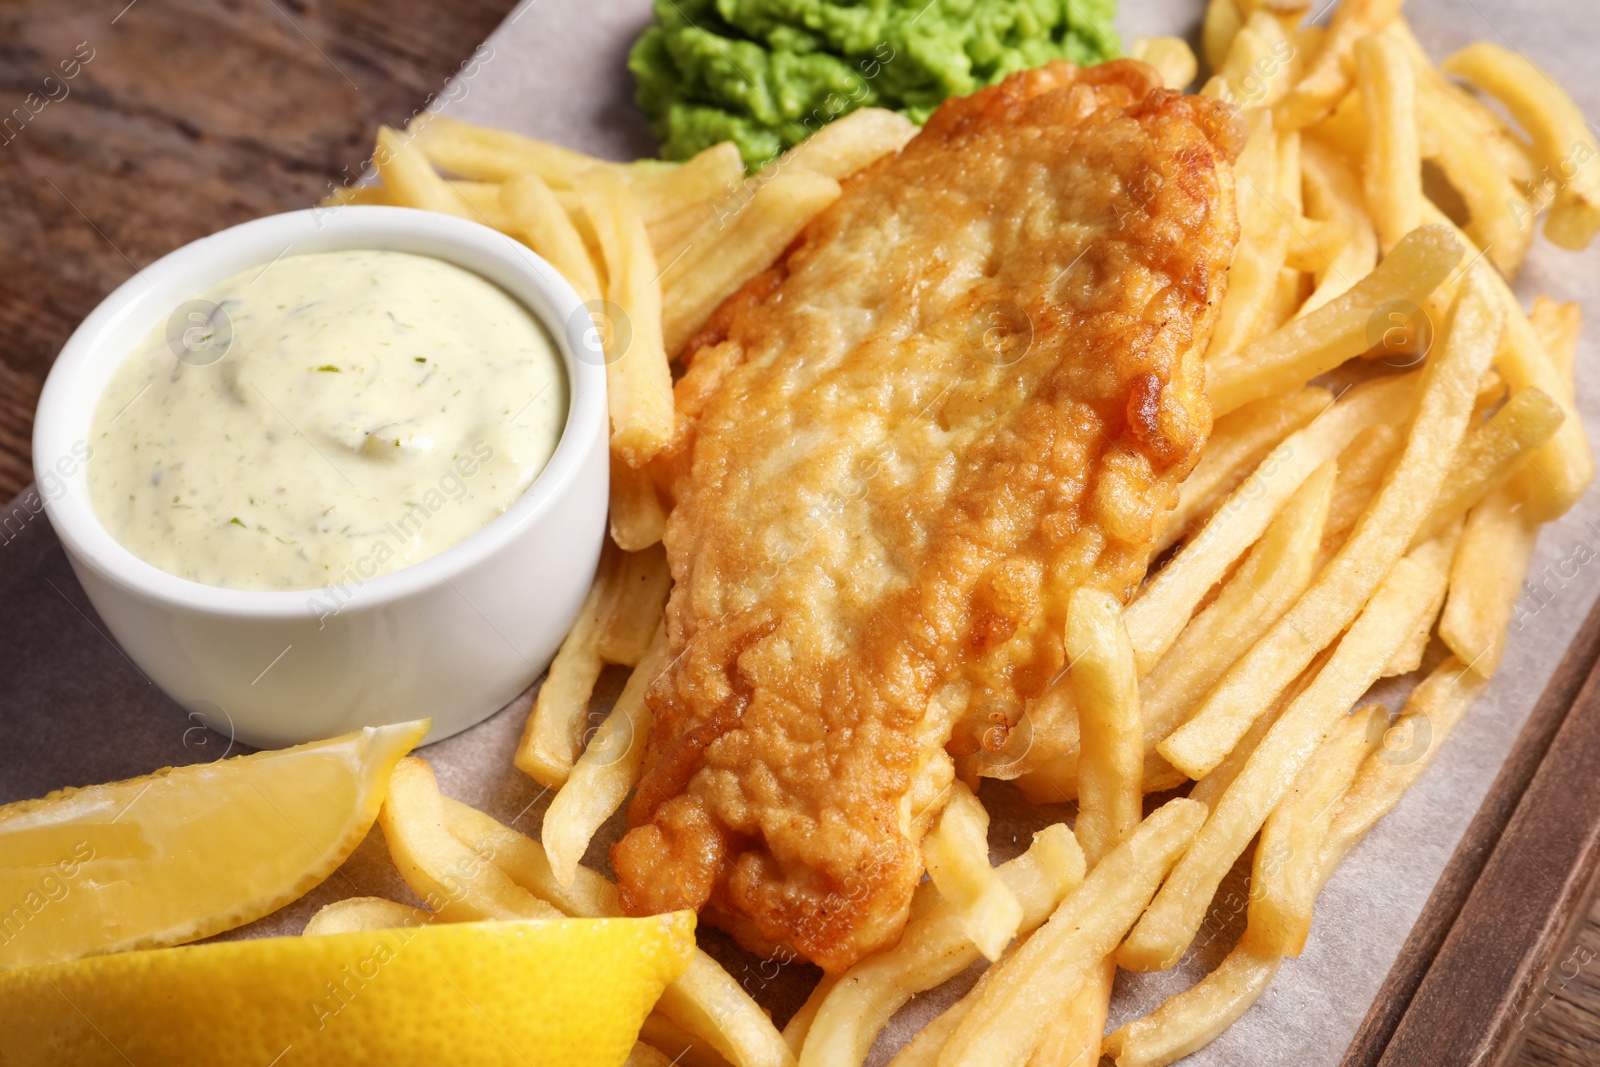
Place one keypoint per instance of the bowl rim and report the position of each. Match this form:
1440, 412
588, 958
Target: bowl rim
103, 340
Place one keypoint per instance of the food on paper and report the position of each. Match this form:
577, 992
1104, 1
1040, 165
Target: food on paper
324, 419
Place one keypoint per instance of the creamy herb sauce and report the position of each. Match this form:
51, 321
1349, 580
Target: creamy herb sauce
371, 409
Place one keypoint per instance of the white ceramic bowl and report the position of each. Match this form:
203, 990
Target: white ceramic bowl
454, 637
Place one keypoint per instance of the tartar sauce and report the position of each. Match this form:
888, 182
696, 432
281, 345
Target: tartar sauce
368, 410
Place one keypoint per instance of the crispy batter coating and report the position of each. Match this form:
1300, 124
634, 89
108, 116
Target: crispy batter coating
973, 384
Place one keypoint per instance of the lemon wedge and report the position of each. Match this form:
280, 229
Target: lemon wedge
188, 851
569, 992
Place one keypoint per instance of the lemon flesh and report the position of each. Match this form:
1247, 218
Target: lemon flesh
572, 992
188, 851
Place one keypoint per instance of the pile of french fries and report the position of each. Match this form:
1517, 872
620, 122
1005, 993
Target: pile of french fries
1376, 523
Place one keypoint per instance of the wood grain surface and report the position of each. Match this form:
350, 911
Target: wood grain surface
185, 116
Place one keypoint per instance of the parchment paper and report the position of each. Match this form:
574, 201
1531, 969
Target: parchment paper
74, 710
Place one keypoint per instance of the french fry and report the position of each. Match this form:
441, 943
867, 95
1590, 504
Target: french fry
1284, 882
454, 881
1431, 712
1172, 57
663, 194
956, 854
1254, 597
1169, 925
934, 948
1008, 1021
1392, 168
638, 380
1170, 597
1486, 580
1333, 193
1263, 243
360, 914
924, 1048
638, 518
608, 769
798, 1028
525, 862
1222, 24
708, 1003
1564, 465
744, 245
1258, 72
1074, 1033
1408, 656
1490, 453
536, 217
1562, 140
483, 154
410, 180
643, 1055
483, 201
1238, 443
847, 144
1339, 330
1444, 402
1111, 734
1210, 789
1556, 326
1190, 1020
549, 744
1362, 466
636, 591
1327, 78
687, 1050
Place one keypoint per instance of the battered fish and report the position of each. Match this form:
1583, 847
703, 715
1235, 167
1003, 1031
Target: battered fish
973, 384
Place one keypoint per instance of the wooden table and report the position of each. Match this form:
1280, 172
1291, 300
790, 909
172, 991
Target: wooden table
191, 115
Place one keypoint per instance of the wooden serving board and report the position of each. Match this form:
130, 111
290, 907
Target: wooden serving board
194, 115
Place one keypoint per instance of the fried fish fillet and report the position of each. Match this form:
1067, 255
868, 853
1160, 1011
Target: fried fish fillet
973, 384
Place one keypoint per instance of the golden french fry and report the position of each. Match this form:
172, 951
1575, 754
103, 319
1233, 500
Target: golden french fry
1392, 168
1170, 597
1172, 57
1362, 466
708, 1003
798, 1028
924, 1048
636, 591
549, 744
638, 518
1075, 1031
934, 948
1444, 402
483, 154
1284, 878
535, 216
1327, 79
956, 853
1169, 925
768, 216
483, 202
1316, 244
1333, 193
608, 769
410, 179
360, 914
1339, 330
1008, 1021
662, 194
1190, 1020
1486, 580
1564, 465
1431, 712
1209, 790
1490, 453
1263, 243
643, 1055
454, 881
1408, 656
1562, 140
847, 144
1254, 597
1222, 23
686, 1050
1258, 70
1238, 443
638, 380
1556, 326
1111, 734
